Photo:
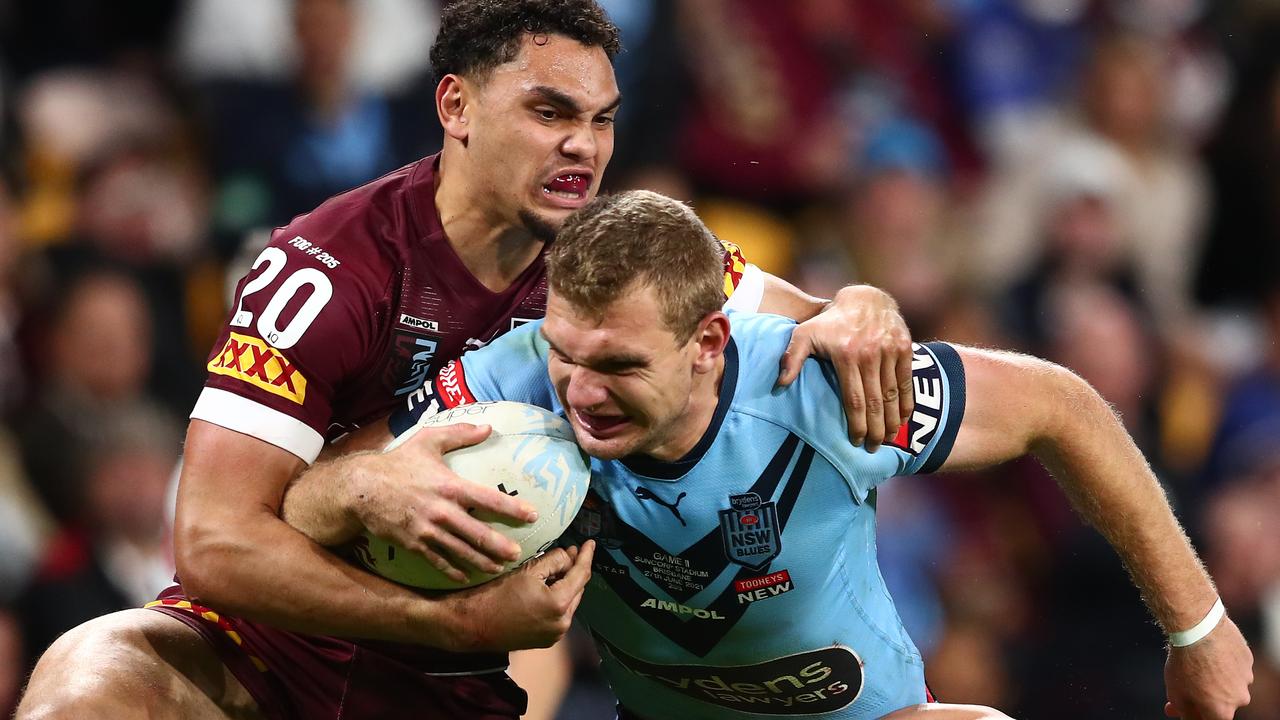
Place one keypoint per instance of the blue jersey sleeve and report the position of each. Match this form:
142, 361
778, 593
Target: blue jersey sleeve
921, 445
513, 367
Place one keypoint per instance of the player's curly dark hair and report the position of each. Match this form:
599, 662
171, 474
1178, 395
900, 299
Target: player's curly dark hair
476, 36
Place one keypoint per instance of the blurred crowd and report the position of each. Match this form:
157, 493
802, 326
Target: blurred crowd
1096, 182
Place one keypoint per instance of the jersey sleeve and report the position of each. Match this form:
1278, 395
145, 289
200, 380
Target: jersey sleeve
513, 367
743, 282
921, 445
303, 321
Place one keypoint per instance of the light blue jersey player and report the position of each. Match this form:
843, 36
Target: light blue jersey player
735, 573
741, 579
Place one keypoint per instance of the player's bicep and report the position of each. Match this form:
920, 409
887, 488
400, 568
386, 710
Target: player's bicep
228, 479
1008, 399
782, 298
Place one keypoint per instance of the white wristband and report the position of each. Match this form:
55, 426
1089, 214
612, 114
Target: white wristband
1202, 628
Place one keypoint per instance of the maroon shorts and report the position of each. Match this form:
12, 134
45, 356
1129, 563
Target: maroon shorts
305, 677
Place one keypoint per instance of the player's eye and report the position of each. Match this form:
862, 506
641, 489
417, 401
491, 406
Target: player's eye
547, 114
605, 120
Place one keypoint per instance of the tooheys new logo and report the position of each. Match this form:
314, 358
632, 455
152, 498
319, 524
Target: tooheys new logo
926, 380
809, 683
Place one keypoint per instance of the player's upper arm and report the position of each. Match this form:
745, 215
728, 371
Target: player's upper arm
229, 481
302, 322
780, 297
1012, 400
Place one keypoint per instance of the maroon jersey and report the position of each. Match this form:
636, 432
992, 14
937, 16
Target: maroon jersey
348, 309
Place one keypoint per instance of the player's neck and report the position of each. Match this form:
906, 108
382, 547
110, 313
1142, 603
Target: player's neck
689, 429
494, 250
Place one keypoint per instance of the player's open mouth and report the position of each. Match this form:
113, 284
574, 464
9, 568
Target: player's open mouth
601, 427
569, 189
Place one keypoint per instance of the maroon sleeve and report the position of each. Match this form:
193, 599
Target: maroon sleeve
303, 321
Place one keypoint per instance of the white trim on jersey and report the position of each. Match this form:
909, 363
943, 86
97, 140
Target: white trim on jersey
233, 412
750, 291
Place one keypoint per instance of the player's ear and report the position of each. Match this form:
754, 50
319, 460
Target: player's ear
451, 106
711, 336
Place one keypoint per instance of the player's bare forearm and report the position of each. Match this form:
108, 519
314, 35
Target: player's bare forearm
315, 503
783, 298
318, 502
1018, 405
235, 555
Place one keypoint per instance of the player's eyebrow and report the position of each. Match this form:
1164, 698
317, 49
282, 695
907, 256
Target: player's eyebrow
558, 97
607, 364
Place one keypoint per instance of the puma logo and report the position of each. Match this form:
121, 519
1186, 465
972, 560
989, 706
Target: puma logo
643, 493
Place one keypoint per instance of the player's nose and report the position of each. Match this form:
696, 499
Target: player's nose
581, 143
586, 389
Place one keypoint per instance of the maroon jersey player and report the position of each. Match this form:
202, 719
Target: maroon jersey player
345, 309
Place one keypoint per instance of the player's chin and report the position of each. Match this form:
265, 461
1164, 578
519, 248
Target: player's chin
542, 223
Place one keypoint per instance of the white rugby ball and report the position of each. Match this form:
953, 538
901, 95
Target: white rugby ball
531, 454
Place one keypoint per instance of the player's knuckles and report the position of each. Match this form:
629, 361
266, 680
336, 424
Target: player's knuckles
875, 405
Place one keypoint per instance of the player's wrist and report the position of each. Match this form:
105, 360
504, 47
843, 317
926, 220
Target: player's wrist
1199, 631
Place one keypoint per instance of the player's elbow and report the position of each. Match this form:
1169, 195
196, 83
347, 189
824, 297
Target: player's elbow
1072, 408
205, 555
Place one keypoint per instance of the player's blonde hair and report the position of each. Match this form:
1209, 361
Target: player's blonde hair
639, 238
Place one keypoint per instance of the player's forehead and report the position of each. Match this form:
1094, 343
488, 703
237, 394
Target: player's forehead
629, 329
562, 64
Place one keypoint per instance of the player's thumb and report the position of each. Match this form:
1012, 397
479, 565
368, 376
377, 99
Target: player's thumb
458, 435
793, 358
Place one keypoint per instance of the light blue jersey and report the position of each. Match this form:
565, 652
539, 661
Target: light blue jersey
741, 580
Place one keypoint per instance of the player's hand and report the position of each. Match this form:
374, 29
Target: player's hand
410, 497
862, 334
530, 607
1210, 679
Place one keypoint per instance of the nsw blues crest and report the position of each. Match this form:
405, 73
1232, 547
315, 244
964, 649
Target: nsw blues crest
749, 529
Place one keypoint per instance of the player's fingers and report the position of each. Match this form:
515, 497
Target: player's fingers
798, 350
451, 437
438, 561
459, 552
551, 565
581, 564
855, 405
906, 391
495, 502
481, 536
576, 577
869, 369
889, 389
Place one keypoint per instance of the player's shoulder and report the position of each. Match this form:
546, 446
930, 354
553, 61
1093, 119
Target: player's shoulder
811, 401
367, 227
760, 338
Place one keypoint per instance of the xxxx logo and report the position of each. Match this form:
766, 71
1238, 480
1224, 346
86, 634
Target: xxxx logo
257, 363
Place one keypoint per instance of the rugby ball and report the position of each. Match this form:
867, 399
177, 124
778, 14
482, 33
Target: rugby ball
531, 453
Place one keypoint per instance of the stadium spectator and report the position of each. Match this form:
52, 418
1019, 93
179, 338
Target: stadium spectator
96, 360
116, 552
280, 147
